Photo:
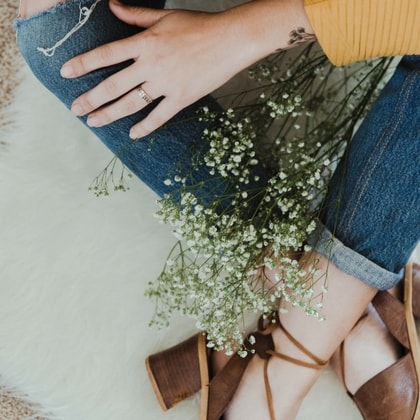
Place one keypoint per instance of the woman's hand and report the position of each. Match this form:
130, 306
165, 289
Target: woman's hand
180, 56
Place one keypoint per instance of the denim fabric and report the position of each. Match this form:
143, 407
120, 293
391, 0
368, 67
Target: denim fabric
371, 220
373, 201
154, 158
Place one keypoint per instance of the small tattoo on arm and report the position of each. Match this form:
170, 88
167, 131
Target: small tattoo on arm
298, 36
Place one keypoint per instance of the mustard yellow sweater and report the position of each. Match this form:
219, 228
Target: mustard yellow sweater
352, 30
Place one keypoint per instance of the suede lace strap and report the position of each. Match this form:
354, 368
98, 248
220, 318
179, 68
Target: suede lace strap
224, 384
317, 364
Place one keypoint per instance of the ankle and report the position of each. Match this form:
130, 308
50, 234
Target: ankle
290, 385
368, 350
291, 381
274, 387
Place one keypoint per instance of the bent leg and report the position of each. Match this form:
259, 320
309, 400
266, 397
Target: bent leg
372, 210
371, 216
47, 40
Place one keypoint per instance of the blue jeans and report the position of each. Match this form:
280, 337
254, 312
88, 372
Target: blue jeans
154, 159
373, 201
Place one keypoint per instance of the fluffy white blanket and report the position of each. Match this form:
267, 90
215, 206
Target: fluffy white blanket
73, 269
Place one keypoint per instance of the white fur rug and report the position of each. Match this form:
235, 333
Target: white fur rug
73, 269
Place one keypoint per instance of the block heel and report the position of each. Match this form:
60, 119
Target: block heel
178, 373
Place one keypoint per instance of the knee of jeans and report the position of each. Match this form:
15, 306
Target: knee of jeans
45, 40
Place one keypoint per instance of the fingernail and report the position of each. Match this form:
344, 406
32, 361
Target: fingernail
93, 121
66, 71
133, 135
76, 109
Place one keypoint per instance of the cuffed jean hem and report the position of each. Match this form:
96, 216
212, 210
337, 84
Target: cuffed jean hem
351, 262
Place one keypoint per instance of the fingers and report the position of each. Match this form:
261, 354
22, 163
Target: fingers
107, 55
129, 104
118, 51
159, 116
153, 60
138, 16
108, 90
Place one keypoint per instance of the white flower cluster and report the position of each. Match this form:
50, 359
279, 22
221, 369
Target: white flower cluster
232, 150
286, 105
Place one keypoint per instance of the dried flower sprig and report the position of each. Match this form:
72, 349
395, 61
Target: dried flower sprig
295, 120
115, 174
300, 117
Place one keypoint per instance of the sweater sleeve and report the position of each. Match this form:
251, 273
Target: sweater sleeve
353, 30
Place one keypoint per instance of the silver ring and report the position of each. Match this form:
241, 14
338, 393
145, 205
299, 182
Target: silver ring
143, 95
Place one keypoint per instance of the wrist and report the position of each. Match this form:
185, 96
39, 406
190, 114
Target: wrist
266, 26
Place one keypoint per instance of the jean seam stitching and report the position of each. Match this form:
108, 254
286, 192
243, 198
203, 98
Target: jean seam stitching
366, 174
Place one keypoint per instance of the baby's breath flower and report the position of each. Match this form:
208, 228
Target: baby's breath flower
299, 121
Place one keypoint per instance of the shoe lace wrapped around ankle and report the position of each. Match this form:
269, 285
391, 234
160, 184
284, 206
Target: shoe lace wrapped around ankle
263, 346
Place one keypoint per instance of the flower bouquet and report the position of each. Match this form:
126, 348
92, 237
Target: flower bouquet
294, 120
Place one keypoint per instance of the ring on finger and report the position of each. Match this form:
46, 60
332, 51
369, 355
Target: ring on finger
144, 95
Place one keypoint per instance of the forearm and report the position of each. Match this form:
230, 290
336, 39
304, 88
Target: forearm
262, 27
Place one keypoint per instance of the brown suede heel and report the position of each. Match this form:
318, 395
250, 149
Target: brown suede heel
180, 371
176, 373
393, 394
